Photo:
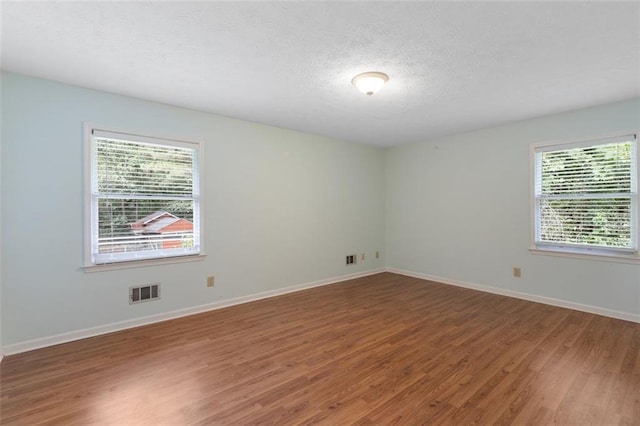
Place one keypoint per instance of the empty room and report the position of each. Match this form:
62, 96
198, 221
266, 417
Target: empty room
300, 212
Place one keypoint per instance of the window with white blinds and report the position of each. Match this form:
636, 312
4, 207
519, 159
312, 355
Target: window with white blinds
586, 196
145, 198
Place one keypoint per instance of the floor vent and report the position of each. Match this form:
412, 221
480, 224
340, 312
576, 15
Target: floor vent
351, 259
144, 293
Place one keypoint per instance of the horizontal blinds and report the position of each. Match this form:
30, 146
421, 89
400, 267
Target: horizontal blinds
594, 222
588, 143
145, 198
133, 168
131, 137
586, 194
597, 169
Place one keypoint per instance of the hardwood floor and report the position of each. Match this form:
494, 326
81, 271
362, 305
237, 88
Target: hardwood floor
385, 349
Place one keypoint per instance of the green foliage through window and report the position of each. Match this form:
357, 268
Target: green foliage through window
586, 195
143, 198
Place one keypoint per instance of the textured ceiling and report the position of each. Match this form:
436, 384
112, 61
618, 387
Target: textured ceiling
453, 66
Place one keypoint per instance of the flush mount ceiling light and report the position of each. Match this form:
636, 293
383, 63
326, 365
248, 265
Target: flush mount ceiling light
370, 82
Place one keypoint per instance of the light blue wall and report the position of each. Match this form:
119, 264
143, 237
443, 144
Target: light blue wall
459, 208
1, 138
282, 208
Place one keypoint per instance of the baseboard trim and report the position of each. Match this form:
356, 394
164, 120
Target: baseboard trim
524, 296
57, 339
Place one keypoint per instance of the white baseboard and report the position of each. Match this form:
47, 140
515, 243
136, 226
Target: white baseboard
524, 296
123, 325
57, 339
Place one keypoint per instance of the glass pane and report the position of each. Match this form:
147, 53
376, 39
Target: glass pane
596, 169
135, 168
598, 222
126, 225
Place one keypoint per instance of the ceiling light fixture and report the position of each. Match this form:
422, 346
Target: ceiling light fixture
370, 82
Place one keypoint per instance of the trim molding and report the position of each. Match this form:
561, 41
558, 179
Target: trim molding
57, 339
524, 296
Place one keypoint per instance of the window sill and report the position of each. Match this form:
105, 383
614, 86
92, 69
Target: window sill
576, 254
143, 263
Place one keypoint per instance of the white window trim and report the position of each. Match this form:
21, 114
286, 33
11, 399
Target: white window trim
89, 215
618, 256
144, 263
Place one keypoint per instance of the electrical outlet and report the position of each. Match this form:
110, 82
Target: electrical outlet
211, 281
517, 272
377, 255
362, 256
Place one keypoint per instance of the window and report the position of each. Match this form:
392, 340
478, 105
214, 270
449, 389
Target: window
586, 196
144, 198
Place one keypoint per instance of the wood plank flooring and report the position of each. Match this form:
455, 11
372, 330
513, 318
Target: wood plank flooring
385, 349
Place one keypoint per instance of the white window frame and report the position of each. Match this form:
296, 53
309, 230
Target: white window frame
90, 206
577, 251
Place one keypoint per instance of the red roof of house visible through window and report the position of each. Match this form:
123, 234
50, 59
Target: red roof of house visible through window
160, 222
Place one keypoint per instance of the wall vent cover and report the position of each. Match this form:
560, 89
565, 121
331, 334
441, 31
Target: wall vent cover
351, 259
145, 293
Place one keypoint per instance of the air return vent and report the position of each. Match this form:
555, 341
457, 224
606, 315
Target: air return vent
144, 293
351, 259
